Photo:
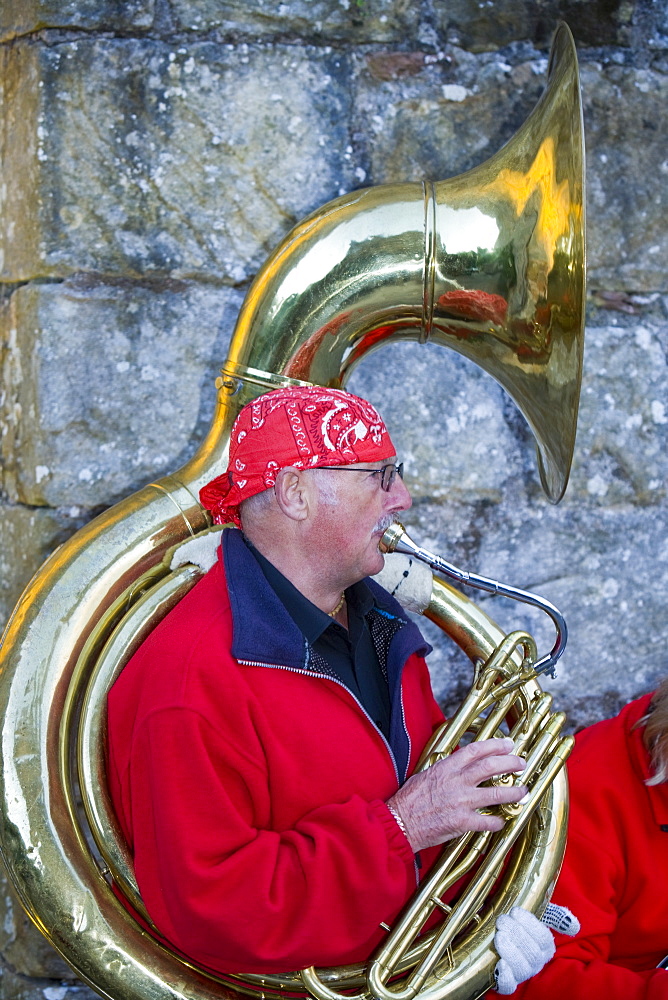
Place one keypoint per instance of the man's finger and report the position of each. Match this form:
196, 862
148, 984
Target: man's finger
483, 748
505, 981
478, 754
481, 822
489, 767
496, 795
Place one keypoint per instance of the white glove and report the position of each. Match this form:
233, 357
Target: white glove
560, 919
524, 943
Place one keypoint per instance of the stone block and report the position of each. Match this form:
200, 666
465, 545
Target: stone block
129, 157
452, 424
476, 27
20, 199
195, 161
27, 536
626, 136
473, 26
356, 21
21, 17
493, 24
17, 987
607, 572
621, 454
438, 118
467, 441
107, 386
26, 951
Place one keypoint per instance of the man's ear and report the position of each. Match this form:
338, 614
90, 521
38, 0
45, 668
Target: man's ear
292, 492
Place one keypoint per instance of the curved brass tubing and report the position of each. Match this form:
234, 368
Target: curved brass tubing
489, 263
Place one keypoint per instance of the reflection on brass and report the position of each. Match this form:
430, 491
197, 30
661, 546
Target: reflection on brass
490, 264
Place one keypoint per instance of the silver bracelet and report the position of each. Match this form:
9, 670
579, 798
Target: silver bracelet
399, 821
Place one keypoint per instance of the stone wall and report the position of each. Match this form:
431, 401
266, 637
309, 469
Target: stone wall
154, 151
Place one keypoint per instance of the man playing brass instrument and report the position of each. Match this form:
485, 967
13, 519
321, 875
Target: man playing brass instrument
262, 740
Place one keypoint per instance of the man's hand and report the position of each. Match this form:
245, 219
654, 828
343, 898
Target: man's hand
442, 802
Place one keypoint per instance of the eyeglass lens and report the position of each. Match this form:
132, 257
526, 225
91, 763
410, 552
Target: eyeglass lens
389, 473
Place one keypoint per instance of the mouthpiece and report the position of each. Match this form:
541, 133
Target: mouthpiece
391, 537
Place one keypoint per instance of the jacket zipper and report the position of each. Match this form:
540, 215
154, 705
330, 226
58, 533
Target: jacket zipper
327, 677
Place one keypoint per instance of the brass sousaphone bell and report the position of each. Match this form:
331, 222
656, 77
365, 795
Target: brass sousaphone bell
489, 263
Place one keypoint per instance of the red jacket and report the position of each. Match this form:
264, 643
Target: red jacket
251, 785
615, 873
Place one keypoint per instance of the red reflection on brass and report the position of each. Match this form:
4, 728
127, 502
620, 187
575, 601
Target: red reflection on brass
475, 304
300, 364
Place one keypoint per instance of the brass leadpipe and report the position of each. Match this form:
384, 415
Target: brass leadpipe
395, 539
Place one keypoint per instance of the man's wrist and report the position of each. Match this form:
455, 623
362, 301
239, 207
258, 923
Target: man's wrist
399, 821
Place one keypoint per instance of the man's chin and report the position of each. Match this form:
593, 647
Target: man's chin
378, 562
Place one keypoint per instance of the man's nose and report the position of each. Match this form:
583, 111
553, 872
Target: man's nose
399, 497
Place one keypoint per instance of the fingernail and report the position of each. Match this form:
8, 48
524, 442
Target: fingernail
523, 801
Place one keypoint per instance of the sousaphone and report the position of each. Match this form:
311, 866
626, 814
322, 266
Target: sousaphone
371, 268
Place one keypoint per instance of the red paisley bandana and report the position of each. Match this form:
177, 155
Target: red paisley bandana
307, 427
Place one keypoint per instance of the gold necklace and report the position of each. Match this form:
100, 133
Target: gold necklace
334, 613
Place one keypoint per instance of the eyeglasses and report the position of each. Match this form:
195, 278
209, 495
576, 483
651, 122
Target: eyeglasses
387, 473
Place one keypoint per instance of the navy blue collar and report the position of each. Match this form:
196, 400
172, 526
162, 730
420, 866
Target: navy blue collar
264, 632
